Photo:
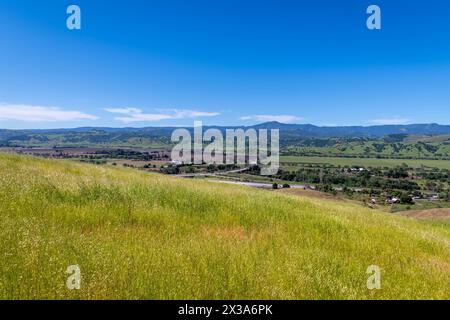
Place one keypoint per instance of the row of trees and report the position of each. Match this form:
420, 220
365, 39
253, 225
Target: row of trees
362, 179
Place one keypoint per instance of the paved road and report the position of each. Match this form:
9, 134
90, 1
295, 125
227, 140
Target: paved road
211, 174
255, 184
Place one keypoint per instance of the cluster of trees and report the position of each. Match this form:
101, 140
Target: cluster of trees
221, 167
442, 175
94, 161
362, 179
125, 154
399, 172
190, 168
170, 170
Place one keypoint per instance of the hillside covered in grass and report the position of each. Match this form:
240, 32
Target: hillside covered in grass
137, 235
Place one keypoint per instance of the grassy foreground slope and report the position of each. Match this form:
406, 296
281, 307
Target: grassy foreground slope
140, 235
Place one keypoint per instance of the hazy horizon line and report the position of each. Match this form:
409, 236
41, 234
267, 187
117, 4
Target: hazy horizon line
229, 126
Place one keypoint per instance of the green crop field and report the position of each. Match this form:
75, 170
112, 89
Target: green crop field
367, 162
137, 235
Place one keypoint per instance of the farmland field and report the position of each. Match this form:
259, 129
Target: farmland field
366, 162
138, 235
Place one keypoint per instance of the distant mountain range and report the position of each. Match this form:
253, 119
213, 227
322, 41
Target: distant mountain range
290, 134
303, 130
309, 130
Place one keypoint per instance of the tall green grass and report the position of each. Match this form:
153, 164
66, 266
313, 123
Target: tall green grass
136, 235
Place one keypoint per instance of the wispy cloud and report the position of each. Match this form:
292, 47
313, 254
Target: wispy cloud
389, 121
123, 110
279, 118
30, 113
137, 115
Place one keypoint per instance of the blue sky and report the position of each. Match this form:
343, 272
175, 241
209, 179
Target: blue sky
155, 63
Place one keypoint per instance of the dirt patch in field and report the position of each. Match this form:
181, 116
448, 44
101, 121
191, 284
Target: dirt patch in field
443, 214
309, 193
235, 233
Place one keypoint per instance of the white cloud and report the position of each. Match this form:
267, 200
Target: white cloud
137, 115
278, 118
29, 113
184, 113
389, 121
123, 110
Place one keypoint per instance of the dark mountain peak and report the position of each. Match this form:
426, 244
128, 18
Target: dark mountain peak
279, 125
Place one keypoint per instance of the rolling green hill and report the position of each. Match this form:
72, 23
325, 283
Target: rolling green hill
430, 148
149, 236
422, 141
